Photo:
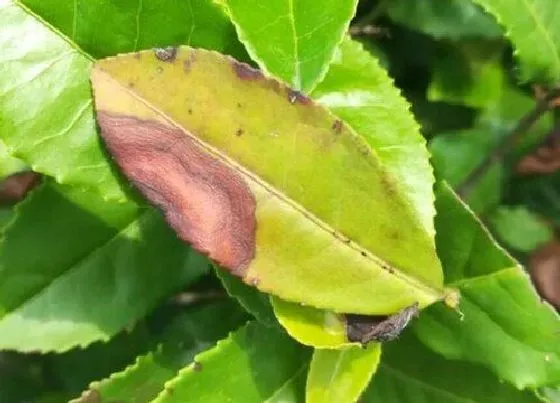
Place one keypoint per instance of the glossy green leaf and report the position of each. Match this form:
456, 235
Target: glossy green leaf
52, 131
453, 19
309, 177
532, 26
519, 228
469, 73
505, 326
189, 334
130, 25
254, 301
88, 257
9, 164
254, 364
411, 373
339, 376
293, 40
456, 154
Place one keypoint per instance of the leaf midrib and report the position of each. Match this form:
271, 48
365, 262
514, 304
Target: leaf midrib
306, 214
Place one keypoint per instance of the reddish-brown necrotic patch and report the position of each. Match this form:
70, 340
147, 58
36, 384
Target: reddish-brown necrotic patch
206, 202
245, 72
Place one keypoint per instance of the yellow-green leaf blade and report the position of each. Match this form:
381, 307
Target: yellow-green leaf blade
315, 184
339, 376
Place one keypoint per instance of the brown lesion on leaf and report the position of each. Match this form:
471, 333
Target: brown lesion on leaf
188, 62
167, 54
245, 72
239, 132
297, 96
337, 126
206, 202
378, 328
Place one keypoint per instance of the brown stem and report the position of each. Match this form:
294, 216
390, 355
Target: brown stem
503, 148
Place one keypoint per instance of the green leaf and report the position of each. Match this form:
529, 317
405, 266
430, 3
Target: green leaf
456, 154
9, 164
519, 228
52, 131
410, 373
254, 301
339, 376
311, 326
254, 364
468, 73
131, 25
189, 334
453, 19
532, 26
88, 257
505, 326
293, 40
300, 184
359, 91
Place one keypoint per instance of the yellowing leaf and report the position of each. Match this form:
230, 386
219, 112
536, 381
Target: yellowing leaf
270, 185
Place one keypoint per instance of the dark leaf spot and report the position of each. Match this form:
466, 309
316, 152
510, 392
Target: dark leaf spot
205, 201
167, 54
197, 366
190, 111
366, 328
296, 96
239, 132
337, 126
188, 62
364, 253
245, 72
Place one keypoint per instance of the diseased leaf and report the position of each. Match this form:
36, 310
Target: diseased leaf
254, 301
36, 125
357, 89
532, 26
189, 334
452, 19
89, 257
132, 25
505, 326
247, 188
293, 40
339, 376
254, 364
360, 92
411, 373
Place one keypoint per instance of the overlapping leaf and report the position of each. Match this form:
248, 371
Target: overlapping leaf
293, 40
88, 257
254, 364
505, 326
532, 26
409, 373
189, 334
341, 375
